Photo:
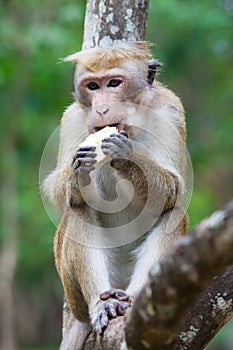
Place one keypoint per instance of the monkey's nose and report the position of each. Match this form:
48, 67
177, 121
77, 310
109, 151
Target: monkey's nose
102, 113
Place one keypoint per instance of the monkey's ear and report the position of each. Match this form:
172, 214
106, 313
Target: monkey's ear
152, 66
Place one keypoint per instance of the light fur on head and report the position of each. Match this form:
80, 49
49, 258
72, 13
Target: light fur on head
96, 59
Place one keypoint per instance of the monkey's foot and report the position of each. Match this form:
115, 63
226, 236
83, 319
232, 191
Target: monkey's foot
105, 310
117, 294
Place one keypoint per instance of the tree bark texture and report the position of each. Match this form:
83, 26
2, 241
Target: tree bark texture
109, 21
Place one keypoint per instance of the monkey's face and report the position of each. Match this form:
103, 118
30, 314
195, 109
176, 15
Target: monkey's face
106, 94
102, 92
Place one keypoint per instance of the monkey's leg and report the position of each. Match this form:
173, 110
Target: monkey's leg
159, 240
102, 309
85, 277
74, 296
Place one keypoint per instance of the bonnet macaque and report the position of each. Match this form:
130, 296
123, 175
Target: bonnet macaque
120, 214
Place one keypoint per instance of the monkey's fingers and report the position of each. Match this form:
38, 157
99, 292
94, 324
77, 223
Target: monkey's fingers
114, 293
119, 295
106, 311
86, 169
80, 156
123, 136
118, 149
105, 295
85, 154
112, 310
87, 148
112, 148
84, 165
101, 322
122, 306
116, 309
131, 300
116, 139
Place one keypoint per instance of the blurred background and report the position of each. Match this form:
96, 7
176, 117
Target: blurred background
194, 42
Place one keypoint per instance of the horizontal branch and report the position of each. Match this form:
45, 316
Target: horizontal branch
176, 281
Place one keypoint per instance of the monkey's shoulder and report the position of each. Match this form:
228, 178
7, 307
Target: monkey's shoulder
163, 100
73, 126
71, 111
166, 96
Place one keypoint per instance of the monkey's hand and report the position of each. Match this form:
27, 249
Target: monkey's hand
118, 146
83, 163
105, 310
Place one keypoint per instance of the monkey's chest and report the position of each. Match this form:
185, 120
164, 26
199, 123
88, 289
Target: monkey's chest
121, 218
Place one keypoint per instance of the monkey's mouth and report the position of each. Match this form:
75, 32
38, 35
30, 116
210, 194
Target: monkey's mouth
120, 126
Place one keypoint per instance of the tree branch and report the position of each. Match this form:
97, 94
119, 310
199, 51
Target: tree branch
212, 310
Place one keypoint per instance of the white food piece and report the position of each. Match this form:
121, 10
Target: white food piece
96, 140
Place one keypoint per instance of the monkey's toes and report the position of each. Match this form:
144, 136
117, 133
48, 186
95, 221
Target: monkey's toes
106, 311
114, 293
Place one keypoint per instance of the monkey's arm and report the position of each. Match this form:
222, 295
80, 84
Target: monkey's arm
61, 188
62, 182
152, 183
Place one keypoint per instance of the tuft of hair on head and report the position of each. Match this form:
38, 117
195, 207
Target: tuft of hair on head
95, 59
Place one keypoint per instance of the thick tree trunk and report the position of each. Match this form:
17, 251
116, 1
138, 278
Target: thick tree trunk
109, 22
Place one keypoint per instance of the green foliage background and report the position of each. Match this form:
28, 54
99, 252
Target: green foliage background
194, 42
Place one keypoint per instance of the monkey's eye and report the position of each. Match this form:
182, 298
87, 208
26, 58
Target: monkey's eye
93, 86
114, 82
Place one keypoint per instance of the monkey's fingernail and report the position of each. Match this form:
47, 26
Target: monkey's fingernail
104, 321
121, 310
124, 133
105, 295
121, 294
76, 164
87, 148
131, 300
112, 312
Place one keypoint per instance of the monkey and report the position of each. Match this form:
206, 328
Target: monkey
121, 216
